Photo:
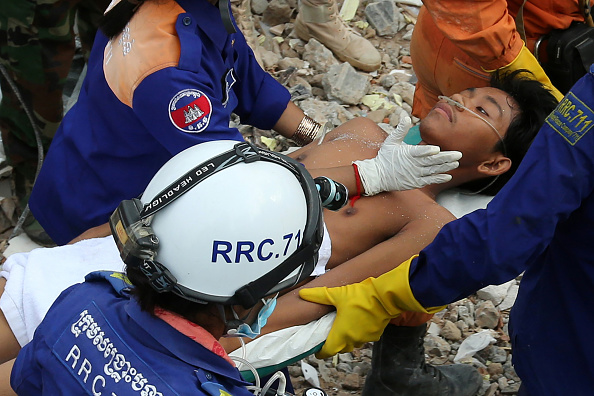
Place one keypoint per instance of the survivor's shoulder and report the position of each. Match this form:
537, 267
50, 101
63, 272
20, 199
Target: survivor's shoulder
422, 207
407, 206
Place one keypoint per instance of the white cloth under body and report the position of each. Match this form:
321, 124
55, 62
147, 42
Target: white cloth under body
34, 280
323, 254
460, 203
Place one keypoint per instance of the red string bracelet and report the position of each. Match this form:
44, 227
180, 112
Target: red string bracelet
358, 181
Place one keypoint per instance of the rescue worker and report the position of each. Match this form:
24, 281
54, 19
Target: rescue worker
456, 44
163, 76
540, 223
195, 264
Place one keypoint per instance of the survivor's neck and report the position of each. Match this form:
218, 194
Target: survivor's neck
459, 177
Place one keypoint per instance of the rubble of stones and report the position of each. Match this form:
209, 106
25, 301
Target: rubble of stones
332, 91
486, 311
325, 88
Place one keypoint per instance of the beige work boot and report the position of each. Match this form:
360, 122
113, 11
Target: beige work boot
319, 19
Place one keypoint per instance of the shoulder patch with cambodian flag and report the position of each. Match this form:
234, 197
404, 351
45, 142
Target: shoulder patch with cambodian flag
190, 110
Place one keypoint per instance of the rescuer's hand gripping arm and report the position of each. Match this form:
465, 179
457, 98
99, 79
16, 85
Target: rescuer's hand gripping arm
364, 309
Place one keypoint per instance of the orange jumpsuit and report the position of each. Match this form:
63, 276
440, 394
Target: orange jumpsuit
455, 41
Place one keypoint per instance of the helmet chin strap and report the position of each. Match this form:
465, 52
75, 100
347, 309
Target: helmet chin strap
225, 10
230, 325
239, 327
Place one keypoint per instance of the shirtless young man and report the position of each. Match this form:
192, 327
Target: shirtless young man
376, 233
369, 237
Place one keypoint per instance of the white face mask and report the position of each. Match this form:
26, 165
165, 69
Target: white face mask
254, 330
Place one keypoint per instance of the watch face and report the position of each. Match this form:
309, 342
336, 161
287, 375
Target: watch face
314, 392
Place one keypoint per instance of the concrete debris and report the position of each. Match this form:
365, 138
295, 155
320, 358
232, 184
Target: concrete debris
318, 56
495, 293
343, 84
486, 315
385, 18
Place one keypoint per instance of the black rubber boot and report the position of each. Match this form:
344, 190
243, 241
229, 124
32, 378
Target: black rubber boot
398, 368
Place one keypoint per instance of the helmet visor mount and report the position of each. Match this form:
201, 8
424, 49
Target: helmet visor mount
138, 244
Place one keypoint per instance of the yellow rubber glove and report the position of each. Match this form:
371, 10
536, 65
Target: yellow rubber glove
525, 60
364, 309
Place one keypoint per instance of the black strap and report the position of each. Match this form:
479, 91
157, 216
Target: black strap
587, 10
520, 22
242, 152
226, 16
251, 293
586, 51
194, 176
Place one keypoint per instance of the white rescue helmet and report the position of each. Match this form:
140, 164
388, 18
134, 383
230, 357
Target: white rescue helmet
233, 223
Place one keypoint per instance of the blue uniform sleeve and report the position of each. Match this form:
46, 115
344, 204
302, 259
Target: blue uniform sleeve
262, 99
181, 108
494, 245
25, 377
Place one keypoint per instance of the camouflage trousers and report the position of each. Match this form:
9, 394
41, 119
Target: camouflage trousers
37, 46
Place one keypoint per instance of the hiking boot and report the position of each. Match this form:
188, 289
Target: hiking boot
320, 20
398, 368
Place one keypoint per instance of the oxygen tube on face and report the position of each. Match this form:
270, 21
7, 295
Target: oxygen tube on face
461, 106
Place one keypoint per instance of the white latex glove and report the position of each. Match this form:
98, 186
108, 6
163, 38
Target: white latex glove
400, 166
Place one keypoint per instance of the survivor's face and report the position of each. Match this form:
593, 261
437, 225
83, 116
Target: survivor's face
453, 128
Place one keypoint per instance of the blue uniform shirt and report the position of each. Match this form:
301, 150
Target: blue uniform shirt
95, 340
169, 81
541, 222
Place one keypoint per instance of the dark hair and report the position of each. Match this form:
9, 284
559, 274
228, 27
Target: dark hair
115, 20
536, 102
149, 298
